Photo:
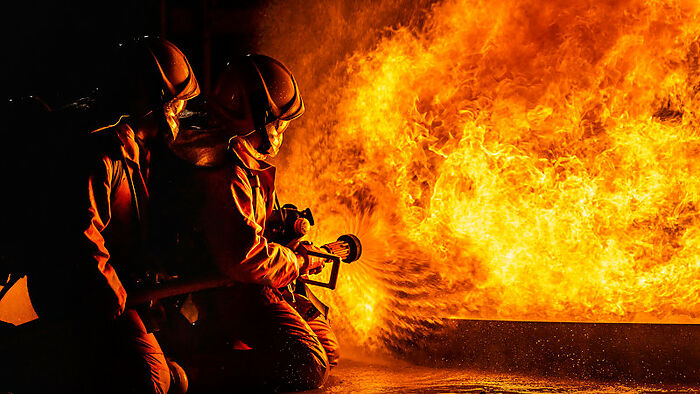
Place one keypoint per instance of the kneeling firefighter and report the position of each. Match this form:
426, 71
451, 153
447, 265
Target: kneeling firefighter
217, 217
88, 252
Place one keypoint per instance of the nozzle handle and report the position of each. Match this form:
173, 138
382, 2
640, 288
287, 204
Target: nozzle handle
347, 249
335, 268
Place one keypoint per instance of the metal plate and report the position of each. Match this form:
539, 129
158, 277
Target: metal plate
650, 353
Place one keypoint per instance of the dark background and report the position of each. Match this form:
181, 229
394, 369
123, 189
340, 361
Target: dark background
53, 49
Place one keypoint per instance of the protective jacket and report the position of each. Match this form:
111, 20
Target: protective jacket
218, 209
238, 245
93, 231
88, 258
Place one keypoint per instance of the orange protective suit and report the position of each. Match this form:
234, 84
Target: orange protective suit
225, 210
84, 340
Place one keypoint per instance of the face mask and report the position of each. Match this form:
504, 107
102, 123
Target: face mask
275, 135
172, 111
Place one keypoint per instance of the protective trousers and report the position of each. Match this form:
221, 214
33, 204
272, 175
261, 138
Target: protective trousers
285, 352
116, 356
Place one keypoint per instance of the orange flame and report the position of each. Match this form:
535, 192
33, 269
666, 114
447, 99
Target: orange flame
500, 159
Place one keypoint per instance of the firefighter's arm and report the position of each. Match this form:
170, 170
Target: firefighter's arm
236, 240
310, 264
92, 265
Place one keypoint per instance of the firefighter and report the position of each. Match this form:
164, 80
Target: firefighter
250, 334
89, 250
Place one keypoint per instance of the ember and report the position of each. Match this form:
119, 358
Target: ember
517, 160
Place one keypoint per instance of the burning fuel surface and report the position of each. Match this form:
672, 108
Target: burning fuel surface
517, 160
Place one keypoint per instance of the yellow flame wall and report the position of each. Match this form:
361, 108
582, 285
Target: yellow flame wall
498, 159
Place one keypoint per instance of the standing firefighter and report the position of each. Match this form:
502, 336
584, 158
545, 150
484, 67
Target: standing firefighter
90, 253
228, 199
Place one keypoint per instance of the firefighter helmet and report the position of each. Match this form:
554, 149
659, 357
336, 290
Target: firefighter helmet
146, 74
254, 91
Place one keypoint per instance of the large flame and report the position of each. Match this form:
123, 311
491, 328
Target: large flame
499, 159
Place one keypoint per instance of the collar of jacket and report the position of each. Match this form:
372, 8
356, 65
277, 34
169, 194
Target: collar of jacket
130, 148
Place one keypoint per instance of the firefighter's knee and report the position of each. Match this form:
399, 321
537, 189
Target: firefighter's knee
178, 378
327, 338
333, 354
305, 367
310, 370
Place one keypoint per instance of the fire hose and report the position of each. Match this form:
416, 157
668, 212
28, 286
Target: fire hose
346, 249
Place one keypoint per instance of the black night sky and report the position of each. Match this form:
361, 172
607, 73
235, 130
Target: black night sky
53, 49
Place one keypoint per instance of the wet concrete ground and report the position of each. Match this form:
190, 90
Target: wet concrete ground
372, 375
360, 372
